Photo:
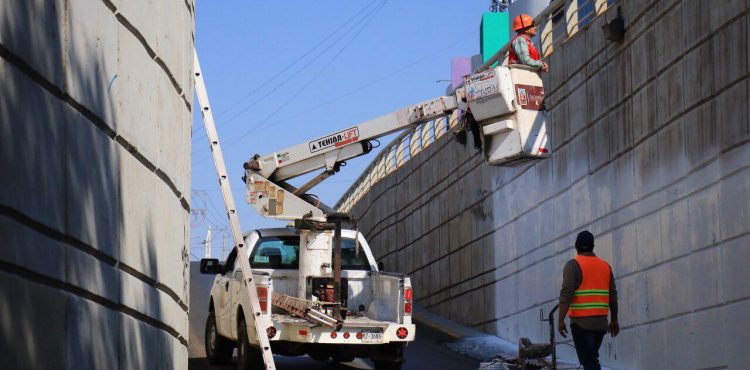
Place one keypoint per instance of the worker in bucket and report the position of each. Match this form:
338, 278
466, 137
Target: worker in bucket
522, 50
588, 294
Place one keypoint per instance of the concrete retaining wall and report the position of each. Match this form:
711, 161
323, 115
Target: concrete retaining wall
651, 154
95, 116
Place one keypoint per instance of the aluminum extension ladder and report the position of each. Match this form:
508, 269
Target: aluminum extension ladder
260, 322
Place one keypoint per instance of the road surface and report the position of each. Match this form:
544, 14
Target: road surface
426, 353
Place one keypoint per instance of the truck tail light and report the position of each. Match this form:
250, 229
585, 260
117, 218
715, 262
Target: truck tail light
271, 332
407, 301
263, 298
402, 333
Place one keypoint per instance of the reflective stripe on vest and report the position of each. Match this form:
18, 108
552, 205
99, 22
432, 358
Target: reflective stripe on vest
513, 57
592, 296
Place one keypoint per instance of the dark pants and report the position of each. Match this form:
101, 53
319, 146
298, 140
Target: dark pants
587, 346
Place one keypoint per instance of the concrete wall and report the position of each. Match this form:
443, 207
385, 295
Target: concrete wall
95, 116
651, 154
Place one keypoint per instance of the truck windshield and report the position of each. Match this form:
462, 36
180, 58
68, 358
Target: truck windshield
282, 252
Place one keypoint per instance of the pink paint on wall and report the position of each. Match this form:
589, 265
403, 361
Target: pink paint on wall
460, 67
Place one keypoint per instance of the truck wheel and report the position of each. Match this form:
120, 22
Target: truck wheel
218, 349
248, 357
387, 365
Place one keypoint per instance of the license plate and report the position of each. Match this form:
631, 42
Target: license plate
372, 338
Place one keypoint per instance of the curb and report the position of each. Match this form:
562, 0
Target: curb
471, 342
450, 328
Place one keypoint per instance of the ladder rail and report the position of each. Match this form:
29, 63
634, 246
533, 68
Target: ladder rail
260, 322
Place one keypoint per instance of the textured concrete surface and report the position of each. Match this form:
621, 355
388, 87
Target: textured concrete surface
95, 115
651, 154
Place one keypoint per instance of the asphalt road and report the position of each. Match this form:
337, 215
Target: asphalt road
426, 353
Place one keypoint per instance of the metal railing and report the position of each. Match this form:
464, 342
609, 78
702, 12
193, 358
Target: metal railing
558, 22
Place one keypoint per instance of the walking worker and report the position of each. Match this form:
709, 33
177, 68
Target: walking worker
522, 50
588, 294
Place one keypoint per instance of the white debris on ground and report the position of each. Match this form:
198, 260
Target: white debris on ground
476, 344
489, 348
493, 365
484, 347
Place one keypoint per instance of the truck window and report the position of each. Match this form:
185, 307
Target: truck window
273, 252
350, 260
283, 253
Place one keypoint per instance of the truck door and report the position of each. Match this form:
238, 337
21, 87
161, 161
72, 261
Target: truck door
235, 297
222, 298
236, 286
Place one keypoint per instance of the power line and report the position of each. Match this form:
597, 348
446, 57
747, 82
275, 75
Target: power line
364, 86
214, 218
216, 221
195, 217
304, 87
282, 83
257, 88
309, 62
211, 204
375, 81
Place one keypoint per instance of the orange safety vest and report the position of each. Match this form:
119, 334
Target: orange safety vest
513, 57
591, 298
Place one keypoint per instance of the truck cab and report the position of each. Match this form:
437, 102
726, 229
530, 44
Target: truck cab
377, 326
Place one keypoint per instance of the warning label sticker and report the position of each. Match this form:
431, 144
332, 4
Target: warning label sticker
282, 157
481, 86
338, 139
530, 97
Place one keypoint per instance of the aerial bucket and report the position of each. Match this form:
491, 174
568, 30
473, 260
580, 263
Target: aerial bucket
508, 104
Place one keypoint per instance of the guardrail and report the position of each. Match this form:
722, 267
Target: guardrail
558, 22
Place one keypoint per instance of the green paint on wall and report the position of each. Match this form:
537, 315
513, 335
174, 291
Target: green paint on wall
494, 33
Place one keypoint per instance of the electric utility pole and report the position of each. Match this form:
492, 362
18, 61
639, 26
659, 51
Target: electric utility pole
207, 242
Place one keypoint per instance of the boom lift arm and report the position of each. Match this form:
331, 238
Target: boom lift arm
270, 194
507, 102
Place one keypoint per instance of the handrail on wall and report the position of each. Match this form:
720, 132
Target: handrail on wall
549, 23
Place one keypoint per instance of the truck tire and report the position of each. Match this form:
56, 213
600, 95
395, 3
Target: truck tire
387, 365
218, 349
248, 357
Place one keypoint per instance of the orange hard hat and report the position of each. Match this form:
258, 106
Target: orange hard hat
522, 21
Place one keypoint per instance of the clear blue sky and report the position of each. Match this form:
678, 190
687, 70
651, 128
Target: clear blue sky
389, 54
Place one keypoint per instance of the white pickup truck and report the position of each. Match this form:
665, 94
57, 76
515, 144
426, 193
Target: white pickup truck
378, 325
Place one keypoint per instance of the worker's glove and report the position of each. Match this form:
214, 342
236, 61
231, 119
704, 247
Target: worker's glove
614, 328
562, 329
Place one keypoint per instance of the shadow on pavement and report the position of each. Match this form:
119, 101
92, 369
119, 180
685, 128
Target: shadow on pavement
287, 363
427, 352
